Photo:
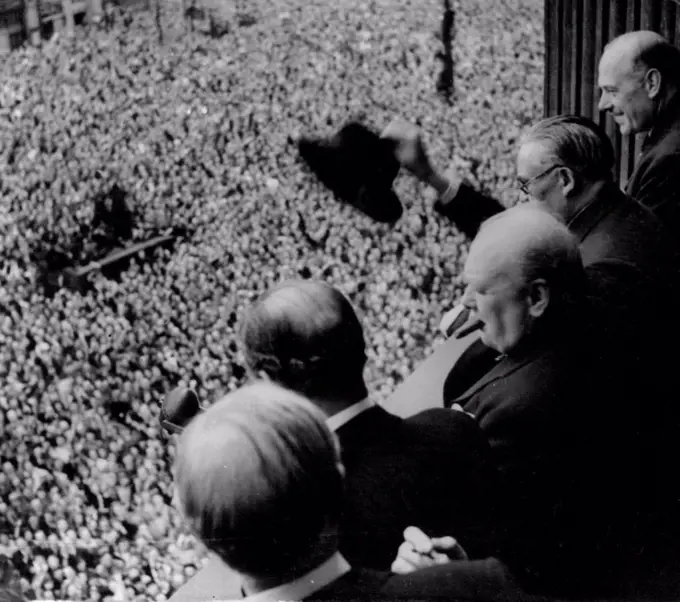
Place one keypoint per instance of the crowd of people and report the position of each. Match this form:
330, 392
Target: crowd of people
197, 132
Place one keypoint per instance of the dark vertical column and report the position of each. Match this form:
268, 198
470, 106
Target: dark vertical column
589, 59
618, 10
548, 45
650, 13
576, 76
568, 39
628, 142
445, 85
553, 64
667, 21
601, 38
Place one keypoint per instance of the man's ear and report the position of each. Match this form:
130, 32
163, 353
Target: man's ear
539, 297
569, 183
652, 83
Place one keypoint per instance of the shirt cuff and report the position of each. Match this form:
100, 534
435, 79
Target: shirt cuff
447, 196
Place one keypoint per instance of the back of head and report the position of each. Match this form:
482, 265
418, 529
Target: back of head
577, 143
306, 336
258, 478
529, 244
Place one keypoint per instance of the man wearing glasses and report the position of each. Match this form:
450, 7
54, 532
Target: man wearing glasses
564, 166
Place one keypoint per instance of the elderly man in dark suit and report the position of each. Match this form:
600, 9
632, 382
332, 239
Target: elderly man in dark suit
640, 83
565, 455
564, 165
432, 470
260, 481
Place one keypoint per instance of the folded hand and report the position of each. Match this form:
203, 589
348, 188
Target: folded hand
420, 551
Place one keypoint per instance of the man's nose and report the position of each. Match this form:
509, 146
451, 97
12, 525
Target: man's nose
468, 299
604, 103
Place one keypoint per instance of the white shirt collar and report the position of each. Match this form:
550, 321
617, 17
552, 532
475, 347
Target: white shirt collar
344, 416
334, 568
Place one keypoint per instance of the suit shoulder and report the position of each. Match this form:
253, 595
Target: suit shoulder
441, 419
358, 584
448, 431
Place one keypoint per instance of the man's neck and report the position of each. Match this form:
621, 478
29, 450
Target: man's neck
585, 198
667, 112
326, 547
334, 404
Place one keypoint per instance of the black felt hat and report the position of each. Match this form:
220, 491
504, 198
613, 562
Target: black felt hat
359, 167
180, 407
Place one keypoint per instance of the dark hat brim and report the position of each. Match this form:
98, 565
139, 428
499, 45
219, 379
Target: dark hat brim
382, 206
171, 427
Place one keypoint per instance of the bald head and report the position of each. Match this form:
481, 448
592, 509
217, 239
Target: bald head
639, 77
305, 335
628, 49
525, 243
523, 267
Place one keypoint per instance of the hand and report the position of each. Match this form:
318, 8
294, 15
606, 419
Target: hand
419, 551
409, 149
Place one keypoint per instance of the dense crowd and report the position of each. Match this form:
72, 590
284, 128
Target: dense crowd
198, 132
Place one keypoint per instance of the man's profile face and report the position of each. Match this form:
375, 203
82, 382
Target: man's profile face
624, 93
541, 177
497, 299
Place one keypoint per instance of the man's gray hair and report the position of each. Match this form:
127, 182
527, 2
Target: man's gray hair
258, 478
577, 143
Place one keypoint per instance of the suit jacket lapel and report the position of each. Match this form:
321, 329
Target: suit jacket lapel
505, 366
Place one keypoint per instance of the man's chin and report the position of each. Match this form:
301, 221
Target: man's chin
624, 127
485, 339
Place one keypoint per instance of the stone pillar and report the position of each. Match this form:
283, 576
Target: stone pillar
32, 19
67, 7
57, 23
95, 11
4, 41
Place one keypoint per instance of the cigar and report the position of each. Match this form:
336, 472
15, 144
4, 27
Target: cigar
476, 325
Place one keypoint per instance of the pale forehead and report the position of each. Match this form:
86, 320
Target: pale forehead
488, 261
503, 242
617, 60
531, 154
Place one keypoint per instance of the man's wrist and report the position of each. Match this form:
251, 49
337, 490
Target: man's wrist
446, 188
438, 182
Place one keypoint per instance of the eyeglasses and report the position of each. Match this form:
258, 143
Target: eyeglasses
524, 186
